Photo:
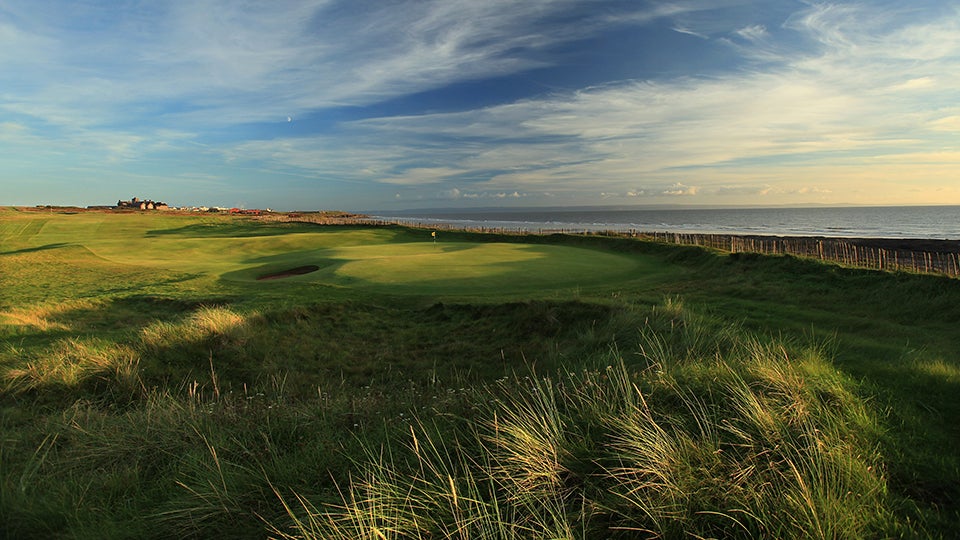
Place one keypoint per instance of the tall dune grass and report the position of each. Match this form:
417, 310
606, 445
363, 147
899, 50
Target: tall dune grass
91, 362
43, 318
707, 436
74, 362
207, 323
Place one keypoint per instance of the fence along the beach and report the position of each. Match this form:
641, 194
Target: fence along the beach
825, 249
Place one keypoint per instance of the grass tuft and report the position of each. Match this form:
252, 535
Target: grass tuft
218, 324
75, 362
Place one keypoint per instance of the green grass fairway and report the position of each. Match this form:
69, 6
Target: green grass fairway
392, 260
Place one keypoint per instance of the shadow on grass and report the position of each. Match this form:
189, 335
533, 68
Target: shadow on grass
229, 230
323, 268
924, 420
179, 343
36, 249
240, 229
81, 331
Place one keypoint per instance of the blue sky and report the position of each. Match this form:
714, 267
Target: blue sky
390, 104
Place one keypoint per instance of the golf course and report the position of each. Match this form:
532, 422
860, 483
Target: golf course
168, 375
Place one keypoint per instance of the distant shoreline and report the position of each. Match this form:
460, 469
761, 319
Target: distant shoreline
894, 222
924, 245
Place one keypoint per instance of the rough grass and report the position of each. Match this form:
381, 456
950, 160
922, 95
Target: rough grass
206, 323
70, 363
770, 445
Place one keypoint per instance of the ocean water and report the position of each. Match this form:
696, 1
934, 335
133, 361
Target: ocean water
926, 222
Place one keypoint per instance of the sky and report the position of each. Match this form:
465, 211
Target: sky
396, 104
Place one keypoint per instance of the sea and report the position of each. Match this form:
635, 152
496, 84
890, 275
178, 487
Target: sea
914, 222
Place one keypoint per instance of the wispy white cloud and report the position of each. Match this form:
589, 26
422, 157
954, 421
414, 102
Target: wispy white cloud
681, 190
239, 62
755, 190
421, 175
13, 132
114, 83
689, 32
839, 106
455, 194
755, 32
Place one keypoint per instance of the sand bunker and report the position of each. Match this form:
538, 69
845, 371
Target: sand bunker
298, 271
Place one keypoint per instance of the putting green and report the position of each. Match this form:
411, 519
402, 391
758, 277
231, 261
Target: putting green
421, 267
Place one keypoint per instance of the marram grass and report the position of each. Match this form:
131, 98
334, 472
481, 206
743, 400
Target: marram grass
206, 323
72, 362
774, 443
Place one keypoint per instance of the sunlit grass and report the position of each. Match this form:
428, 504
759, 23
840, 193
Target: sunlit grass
70, 363
38, 319
44, 317
205, 323
464, 266
938, 369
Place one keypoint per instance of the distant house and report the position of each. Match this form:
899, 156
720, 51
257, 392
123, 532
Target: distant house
137, 204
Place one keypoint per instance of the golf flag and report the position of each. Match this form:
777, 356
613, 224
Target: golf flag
434, 234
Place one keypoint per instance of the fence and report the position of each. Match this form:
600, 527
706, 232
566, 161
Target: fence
850, 252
